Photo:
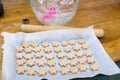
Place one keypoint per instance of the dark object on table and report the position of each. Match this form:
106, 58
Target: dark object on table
25, 21
1, 9
43, 79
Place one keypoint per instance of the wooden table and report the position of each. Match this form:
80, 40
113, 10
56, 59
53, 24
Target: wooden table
103, 14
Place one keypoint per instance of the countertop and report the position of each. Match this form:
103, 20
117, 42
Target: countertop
104, 14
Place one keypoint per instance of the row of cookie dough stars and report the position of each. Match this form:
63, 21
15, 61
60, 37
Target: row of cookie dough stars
55, 44
50, 56
48, 49
28, 49
63, 43
66, 49
33, 72
50, 63
54, 70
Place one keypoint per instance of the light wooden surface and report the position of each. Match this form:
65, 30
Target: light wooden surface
103, 14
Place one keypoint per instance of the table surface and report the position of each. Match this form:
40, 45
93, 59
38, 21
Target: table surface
103, 14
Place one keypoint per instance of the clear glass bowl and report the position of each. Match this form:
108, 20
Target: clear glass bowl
54, 12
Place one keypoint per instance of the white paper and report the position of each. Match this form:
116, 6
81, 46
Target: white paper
11, 40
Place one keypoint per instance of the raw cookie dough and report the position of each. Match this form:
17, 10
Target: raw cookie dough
28, 56
60, 55
53, 70
36, 49
45, 44
74, 70
67, 49
81, 41
31, 72
64, 70
27, 50
76, 48
88, 53
42, 72
19, 49
84, 46
49, 56
64, 43
30, 63
72, 42
73, 63
94, 67
62, 63
40, 63
81, 61
79, 54
55, 44
70, 56
20, 62
34, 44
82, 68
51, 63
19, 56
90, 60
47, 50
38, 55
57, 49
20, 70
25, 44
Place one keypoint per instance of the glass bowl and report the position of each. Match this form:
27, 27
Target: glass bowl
54, 12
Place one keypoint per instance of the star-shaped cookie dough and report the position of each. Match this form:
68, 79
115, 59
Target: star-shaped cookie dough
90, 60
74, 70
57, 49
38, 55
81, 61
88, 53
28, 56
70, 56
36, 49
79, 54
67, 49
55, 44
84, 46
19, 56
28, 50
60, 55
20, 70
31, 72
53, 70
51, 63
81, 41
42, 72
64, 70
47, 50
30, 63
63, 63
64, 43
94, 67
45, 44
34, 44
19, 49
25, 44
76, 48
82, 68
73, 63
40, 63
72, 42
20, 62
49, 56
